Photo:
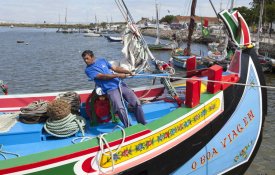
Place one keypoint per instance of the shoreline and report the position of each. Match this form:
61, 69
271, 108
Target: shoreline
197, 38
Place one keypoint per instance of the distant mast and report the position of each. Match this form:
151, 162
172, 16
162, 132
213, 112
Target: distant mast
191, 26
66, 17
232, 5
157, 23
259, 26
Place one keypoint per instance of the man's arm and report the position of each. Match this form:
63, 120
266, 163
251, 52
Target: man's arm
110, 76
121, 70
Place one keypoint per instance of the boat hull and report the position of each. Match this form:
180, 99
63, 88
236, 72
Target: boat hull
209, 139
113, 39
228, 144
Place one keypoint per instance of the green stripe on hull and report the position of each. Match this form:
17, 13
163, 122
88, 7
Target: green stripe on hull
176, 114
67, 169
92, 143
68, 149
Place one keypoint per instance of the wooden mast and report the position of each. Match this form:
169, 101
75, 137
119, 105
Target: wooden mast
191, 26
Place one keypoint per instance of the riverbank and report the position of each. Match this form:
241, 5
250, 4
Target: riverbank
180, 34
46, 25
77, 26
266, 45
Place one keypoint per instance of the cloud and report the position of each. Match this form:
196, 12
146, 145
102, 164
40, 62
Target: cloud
84, 11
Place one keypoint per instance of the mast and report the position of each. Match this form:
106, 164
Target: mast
157, 23
232, 5
259, 26
66, 17
191, 26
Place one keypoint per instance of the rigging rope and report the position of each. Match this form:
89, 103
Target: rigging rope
213, 81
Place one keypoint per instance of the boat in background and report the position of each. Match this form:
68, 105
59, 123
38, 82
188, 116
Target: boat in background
180, 56
92, 35
158, 45
113, 38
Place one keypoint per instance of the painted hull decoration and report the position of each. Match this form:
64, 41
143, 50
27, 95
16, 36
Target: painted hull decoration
236, 141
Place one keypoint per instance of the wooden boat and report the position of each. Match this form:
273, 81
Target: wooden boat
218, 131
180, 60
113, 39
157, 45
161, 46
179, 55
92, 35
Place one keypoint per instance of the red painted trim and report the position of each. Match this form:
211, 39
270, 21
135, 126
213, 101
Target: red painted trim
18, 102
69, 156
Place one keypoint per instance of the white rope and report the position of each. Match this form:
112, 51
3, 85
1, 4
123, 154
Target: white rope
4, 153
213, 81
7, 121
65, 127
102, 142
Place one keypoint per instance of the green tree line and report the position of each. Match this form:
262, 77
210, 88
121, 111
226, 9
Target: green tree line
250, 14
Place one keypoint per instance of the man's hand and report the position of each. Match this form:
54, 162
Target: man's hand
132, 73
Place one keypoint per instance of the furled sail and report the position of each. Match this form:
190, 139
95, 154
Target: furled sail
135, 52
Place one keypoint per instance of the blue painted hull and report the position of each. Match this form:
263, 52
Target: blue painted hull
180, 61
228, 144
236, 141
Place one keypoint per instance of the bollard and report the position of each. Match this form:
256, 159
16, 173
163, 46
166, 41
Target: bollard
193, 94
214, 73
191, 66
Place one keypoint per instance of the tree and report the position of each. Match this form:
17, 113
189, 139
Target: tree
248, 14
104, 25
168, 18
269, 10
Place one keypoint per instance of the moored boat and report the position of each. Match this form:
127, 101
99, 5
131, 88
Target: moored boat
92, 35
113, 39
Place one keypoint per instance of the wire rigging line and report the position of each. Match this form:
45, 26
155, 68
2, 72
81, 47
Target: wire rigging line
212, 81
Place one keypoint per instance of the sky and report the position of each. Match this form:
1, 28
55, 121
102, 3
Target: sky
84, 11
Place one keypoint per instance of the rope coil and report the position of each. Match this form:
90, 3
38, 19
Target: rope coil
73, 99
35, 112
65, 127
61, 122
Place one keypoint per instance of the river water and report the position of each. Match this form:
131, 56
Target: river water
48, 61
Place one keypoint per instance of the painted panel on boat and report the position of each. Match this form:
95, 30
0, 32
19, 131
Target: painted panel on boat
234, 143
159, 138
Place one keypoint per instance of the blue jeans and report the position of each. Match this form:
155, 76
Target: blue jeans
131, 98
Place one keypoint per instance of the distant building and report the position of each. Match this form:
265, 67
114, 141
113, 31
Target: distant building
198, 19
144, 21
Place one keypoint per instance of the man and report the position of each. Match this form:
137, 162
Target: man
99, 70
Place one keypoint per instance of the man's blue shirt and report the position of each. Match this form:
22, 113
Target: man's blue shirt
101, 66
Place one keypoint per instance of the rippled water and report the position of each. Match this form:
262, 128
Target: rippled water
50, 61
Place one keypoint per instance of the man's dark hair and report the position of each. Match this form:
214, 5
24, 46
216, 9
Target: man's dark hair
87, 52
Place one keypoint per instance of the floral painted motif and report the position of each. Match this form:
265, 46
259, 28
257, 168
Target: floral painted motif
243, 153
163, 136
